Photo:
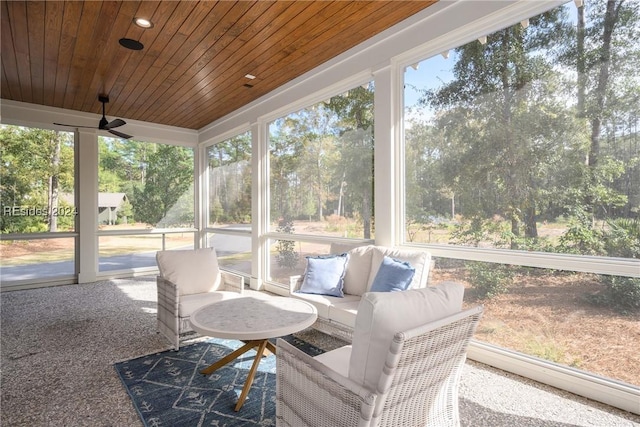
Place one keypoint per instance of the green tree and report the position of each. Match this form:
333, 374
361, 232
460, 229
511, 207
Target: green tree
504, 124
37, 167
169, 176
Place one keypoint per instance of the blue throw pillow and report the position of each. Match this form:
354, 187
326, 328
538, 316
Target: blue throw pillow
393, 275
325, 275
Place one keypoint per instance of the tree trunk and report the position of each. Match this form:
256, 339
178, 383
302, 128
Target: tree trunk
597, 110
54, 184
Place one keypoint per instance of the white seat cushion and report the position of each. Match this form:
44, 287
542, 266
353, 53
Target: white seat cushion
337, 359
383, 314
190, 303
195, 271
320, 302
419, 260
345, 311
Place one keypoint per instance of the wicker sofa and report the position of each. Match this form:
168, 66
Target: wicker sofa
337, 315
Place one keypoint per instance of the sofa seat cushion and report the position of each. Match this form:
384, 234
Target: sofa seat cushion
419, 260
345, 311
337, 359
320, 302
190, 303
383, 314
195, 271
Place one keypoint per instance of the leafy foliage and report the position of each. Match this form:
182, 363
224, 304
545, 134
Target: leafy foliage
488, 279
287, 256
621, 293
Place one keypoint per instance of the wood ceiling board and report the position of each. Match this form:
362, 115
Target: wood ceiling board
52, 33
229, 65
192, 69
10, 77
190, 57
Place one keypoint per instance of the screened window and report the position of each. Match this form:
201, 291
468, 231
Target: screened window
37, 204
321, 168
145, 201
527, 140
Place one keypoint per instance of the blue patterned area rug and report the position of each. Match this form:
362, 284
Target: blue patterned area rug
167, 388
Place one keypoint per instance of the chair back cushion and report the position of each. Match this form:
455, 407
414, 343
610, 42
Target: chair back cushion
382, 314
194, 271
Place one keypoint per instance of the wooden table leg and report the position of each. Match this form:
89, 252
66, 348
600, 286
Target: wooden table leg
252, 374
231, 356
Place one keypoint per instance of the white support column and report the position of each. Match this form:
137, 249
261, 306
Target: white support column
259, 212
385, 155
201, 194
87, 176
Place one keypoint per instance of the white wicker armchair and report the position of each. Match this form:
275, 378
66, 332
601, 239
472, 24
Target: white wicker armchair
416, 385
188, 280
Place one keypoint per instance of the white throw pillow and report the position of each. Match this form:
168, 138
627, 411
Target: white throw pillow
383, 314
419, 260
356, 276
195, 271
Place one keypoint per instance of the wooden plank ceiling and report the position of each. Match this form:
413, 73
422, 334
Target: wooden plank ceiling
195, 58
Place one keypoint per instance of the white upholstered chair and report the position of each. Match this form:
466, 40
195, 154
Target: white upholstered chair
402, 369
188, 280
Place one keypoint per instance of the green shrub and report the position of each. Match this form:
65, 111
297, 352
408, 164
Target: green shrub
287, 256
489, 279
620, 293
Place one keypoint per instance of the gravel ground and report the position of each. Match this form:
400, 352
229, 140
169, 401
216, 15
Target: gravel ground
59, 344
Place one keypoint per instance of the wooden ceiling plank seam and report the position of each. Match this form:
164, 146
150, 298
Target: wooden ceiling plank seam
53, 31
266, 59
128, 68
204, 31
115, 70
35, 29
19, 28
9, 60
71, 19
138, 83
169, 46
269, 26
355, 20
81, 52
181, 57
190, 78
101, 37
246, 22
172, 49
4, 82
298, 60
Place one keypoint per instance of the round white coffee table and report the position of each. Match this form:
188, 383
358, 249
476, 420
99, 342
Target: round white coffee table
252, 320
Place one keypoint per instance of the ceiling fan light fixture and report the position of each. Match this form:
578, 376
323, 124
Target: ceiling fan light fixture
143, 23
131, 44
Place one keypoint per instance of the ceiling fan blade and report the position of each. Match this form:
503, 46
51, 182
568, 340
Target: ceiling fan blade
115, 123
120, 134
75, 126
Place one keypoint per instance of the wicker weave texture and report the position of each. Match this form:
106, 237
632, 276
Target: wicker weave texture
170, 322
418, 387
310, 394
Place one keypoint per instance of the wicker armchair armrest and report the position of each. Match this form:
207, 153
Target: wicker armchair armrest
309, 393
231, 282
168, 300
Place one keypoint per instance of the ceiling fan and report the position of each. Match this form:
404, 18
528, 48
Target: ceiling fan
104, 123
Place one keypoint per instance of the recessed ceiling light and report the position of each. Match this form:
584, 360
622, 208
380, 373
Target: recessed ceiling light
250, 76
143, 23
